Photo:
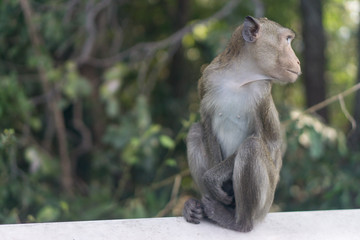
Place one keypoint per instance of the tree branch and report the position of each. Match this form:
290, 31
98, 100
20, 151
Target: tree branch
86, 139
169, 180
91, 29
332, 99
347, 114
67, 178
327, 102
173, 198
141, 49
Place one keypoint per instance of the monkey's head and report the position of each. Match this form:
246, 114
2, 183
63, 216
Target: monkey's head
268, 44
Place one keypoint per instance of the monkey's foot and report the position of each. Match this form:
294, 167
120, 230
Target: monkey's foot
245, 226
224, 216
193, 211
210, 205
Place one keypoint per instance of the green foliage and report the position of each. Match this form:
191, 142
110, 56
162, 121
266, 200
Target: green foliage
318, 170
14, 105
340, 23
74, 86
109, 89
126, 123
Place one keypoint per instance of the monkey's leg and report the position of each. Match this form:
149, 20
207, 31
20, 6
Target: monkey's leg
223, 215
253, 173
193, 209
197, 156
203, 152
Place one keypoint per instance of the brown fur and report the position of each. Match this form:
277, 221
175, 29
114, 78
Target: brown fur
234, 153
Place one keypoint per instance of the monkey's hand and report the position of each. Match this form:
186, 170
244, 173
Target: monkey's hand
216, 187
193, 211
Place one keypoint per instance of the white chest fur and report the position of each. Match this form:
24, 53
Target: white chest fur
234, 110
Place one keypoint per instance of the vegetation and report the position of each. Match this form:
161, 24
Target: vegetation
96, 98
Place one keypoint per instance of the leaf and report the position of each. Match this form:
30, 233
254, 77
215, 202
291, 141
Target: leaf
167, 142
116, 72
7, 138
171, 162
316, 146
48, 214
342, 147
200, 31
143, 113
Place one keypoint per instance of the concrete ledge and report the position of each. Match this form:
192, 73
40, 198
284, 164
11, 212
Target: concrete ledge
337, 224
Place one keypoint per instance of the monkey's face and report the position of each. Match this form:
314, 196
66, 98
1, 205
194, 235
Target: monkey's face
285, 65
271, 47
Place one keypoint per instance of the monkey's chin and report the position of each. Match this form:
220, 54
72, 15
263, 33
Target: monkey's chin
290, 77
285, 76
293, 76
292, 80
284, 81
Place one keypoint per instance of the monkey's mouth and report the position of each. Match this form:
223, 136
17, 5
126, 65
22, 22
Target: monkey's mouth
291, 71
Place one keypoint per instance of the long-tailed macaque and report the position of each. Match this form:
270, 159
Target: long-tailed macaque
234, 152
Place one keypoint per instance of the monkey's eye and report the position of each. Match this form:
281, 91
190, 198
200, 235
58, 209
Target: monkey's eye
289, 39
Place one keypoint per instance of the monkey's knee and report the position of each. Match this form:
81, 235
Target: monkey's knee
251, 145
193, 211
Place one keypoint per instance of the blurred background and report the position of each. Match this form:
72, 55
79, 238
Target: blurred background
96, 98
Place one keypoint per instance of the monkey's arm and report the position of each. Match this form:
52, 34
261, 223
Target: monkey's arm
215, 178
219, 170
270, 131
203, 152
212, 147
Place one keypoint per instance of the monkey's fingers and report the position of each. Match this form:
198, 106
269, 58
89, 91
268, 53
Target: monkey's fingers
222, 196
228, 200
193, 211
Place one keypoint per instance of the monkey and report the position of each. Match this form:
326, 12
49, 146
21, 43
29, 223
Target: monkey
234, 151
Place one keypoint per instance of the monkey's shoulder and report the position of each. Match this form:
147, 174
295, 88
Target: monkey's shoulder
229, 97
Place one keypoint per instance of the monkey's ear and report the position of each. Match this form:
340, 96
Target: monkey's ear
250, 30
